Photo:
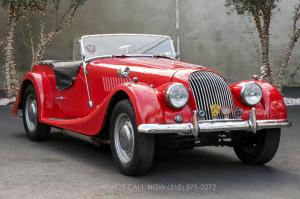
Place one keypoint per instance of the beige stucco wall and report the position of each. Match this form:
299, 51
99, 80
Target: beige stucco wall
208, 35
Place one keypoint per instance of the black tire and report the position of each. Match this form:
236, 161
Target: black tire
41, 131
259, 148
142, 154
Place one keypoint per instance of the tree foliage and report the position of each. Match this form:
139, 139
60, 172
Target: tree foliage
18, 9
251, 6
53, 10
261, 12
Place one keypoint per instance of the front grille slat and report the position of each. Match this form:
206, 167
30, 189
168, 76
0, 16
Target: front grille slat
210, 95
198, 92
221, 92
228, 96
208, 89
218, 97
204, 95
221, 95
202, 92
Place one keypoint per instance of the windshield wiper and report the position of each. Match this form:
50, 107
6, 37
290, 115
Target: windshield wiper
162, 56
120, 56
142, 55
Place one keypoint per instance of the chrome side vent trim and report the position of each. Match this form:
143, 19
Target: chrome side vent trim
110, 83
210, 89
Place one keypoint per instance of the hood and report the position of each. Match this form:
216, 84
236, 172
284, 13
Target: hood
156, 71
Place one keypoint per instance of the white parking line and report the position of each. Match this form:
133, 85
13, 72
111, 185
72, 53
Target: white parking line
6, 101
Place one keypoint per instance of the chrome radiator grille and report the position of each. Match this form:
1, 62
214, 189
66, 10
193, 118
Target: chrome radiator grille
210, 89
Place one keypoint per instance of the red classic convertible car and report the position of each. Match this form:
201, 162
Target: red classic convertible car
131, 91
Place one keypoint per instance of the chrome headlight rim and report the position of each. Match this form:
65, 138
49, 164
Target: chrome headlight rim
243, 91
168, 96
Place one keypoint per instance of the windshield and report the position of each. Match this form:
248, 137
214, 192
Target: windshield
94, 46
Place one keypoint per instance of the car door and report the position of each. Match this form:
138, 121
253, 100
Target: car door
73, 101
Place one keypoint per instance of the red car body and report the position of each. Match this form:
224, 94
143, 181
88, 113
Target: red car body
101, 87
146, 94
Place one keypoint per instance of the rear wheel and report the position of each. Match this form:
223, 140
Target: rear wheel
259, 148
35, 130
132, 152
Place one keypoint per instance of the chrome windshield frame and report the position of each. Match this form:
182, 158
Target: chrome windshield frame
84, 59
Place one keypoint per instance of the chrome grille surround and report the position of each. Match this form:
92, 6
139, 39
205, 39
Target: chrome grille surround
208, 89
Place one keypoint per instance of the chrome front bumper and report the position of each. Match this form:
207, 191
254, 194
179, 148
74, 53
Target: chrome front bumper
197, 127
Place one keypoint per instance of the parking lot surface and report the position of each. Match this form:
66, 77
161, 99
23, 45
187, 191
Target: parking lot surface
64, 167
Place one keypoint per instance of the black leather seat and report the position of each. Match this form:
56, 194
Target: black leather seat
65, 72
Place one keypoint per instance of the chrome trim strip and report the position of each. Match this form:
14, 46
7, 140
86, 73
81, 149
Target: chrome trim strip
252, 120
197, 127
195, 124
124, 34
187, 128
84, 65
127, 56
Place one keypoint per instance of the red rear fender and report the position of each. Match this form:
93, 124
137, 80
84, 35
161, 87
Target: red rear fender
42, 89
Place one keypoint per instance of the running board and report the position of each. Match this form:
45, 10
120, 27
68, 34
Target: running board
89, 139
88, 125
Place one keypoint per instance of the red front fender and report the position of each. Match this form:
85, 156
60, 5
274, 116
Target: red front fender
270, 107
145, 101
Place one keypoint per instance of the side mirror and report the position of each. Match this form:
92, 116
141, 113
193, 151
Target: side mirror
177, 56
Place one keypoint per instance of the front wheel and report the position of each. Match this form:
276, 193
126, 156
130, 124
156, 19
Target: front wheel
132, 152
259, 148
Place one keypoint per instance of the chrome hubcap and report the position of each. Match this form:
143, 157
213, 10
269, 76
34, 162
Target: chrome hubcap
124, 138
31, 112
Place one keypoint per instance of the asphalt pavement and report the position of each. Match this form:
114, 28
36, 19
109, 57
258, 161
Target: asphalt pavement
64, 167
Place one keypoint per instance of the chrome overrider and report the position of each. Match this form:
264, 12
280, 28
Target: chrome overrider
196, 126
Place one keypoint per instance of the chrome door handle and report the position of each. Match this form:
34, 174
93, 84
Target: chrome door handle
60, 98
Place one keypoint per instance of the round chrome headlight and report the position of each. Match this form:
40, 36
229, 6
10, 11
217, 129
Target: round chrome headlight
251, 94
177, 96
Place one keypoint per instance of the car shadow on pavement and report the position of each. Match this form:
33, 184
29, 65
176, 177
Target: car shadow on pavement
78, 150
213, 166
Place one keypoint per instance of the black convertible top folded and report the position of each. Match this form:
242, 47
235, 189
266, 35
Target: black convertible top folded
65, 72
